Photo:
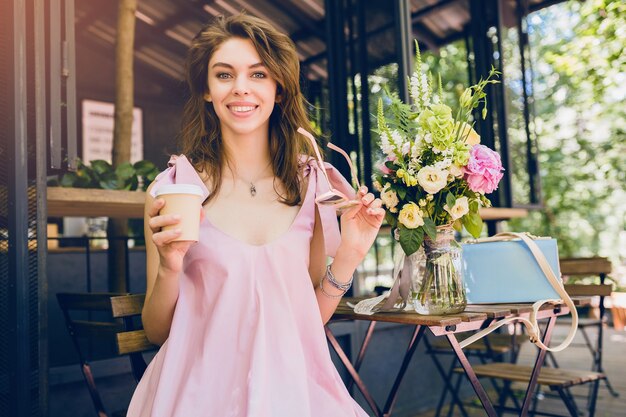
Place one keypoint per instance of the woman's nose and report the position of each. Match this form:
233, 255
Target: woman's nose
241, 86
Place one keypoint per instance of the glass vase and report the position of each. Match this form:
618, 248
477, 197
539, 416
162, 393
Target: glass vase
437, 287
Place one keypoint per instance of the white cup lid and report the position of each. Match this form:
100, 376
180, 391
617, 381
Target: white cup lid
179, 189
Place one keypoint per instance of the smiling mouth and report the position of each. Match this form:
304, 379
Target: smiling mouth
242, 109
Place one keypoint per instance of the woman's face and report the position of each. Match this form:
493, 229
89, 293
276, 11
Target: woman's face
241, 89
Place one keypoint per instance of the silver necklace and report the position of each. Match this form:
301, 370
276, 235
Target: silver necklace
252, 186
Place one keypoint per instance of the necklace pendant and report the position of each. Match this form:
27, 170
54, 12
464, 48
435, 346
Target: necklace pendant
252, 190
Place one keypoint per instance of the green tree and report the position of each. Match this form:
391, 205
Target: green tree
580, 120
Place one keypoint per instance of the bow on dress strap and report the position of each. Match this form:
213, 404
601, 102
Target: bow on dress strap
179, 171
328, 214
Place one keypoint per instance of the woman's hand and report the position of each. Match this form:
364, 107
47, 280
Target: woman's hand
360, 224
171, 252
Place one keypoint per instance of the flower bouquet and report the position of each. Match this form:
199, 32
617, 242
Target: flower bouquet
433, 180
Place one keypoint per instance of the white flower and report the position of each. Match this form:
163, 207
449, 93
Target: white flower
411, 216
387, 147
377, 186
428, 138
431, 179
406, 147
443, 165
397, 139
415, 150
456, 171
416, 80
389, 197
460, 208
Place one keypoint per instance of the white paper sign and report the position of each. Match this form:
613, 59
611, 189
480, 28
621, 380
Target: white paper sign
98, 132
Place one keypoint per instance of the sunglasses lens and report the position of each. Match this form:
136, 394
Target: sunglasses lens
331, 199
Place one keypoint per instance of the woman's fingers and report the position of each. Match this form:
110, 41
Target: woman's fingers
157, 205
376, 211
165, 237
156, 223
368, 198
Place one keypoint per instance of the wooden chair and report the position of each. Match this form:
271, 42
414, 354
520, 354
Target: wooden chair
557, 379
600, 267
121, 330
491, 348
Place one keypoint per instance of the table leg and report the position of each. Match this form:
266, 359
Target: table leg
446, 381
471, 375
353, 373
418, 333
364, 345
532, 384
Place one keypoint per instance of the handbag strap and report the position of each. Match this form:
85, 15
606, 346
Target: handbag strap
530, 323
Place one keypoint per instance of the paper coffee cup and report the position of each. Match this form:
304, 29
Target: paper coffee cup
184, 200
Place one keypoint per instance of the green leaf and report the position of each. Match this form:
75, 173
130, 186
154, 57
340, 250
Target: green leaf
401, 191
69, 179
430, 228
450, 200
110, 184
411, 239
124, 171
473, 223
100, 166
151, 176
144, 167
391, 219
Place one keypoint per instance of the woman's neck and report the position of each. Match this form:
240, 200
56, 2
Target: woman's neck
249, 156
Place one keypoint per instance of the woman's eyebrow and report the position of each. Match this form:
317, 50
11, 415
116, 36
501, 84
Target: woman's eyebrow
224, 64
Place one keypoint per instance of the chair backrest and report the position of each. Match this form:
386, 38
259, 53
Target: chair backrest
132, 340
585, 266
595, 266
121, 329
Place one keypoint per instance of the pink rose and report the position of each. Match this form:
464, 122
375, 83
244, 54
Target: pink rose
383, 168
483, 172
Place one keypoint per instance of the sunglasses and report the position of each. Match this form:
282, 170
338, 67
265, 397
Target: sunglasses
333, 197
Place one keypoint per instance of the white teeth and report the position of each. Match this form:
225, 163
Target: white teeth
242, 108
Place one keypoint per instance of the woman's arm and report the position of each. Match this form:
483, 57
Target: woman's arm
164, 261
360, 227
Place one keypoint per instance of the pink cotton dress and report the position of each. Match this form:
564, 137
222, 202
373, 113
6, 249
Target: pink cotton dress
247, 339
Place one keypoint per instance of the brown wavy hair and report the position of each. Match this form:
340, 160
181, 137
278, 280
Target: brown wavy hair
200, 136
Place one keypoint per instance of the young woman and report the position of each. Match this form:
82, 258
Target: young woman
239, 315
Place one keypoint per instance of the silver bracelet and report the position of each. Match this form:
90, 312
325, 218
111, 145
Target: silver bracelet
325, 293
345, 286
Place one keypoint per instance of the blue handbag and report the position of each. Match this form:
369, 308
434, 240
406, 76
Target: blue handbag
506, 271
516, 267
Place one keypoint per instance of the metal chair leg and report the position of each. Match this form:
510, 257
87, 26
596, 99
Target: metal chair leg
569, 403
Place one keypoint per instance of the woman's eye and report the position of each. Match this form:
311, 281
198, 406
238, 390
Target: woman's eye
223, 75
258, 75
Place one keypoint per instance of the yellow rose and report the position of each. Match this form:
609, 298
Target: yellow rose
411, 216
471, 136
460, 208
